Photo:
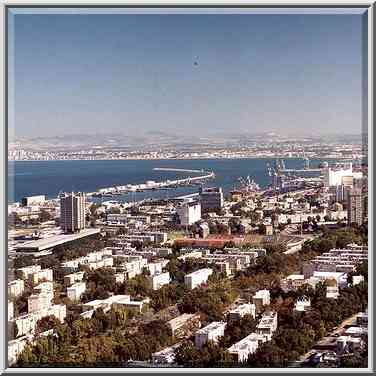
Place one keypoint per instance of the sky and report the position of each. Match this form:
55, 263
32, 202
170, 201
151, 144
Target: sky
192, 74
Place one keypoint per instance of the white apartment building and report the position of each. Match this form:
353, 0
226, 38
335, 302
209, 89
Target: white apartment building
44, 274
120, 277
261, 298
302, 304
197, 278
268, 324
334, 176
75, 291
15, 348
70, 279
134, 267
38, 302
357, 279
126, 218
224, 267
189, 213
160, 280
211, 332
16, 287
116, 301
26, 324
292, 282
104, 263
241, 311
44, 287
10, 310
241, 350
165, 356
28, 270
155, 267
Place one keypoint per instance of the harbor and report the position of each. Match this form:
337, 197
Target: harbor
153, 185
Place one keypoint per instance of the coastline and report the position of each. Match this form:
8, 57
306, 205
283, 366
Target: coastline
179, 159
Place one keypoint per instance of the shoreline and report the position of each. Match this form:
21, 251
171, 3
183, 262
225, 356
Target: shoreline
180, 159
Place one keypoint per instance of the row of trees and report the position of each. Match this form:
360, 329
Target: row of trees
103, 340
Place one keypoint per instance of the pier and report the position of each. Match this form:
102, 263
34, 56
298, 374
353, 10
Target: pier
151, 185
177, 170
300, 170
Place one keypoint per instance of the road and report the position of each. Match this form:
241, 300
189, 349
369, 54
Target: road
338, 330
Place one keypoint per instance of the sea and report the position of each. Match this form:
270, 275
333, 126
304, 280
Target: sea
28, 178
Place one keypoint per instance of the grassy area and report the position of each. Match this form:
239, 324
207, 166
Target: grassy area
175, 235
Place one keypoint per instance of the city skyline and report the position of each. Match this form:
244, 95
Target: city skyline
184, 73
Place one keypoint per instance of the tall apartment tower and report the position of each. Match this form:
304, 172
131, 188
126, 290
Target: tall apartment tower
211, 198
72, 212
355, 207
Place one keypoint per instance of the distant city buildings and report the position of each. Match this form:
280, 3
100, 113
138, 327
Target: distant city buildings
33, 200
72, 212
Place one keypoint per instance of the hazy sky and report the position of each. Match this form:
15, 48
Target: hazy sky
133, 73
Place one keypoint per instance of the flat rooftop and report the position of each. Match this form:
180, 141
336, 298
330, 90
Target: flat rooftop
53, 241
211, 327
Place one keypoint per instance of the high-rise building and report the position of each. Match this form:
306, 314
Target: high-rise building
355, 207
189, 213
333, 175
72, 212
211, 199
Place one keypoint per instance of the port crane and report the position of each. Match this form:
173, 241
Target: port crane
248, 184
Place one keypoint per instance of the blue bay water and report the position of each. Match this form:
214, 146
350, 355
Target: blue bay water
27, 178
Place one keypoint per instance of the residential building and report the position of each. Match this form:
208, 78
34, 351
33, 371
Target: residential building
184, 325
355, 206
241, 350
333, 176
197, 278
16, 287
203, 230
75, 291
241, 311
15, 348
165, 356
159, 280
189, 213
211, 332
292, 282
302, 304
268, 324
41, 275
70, 279
362, 319
26, 324
38, 302
260, 299
44, 287
28, 270
211, 199
33, 200
10, 310
72, 212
